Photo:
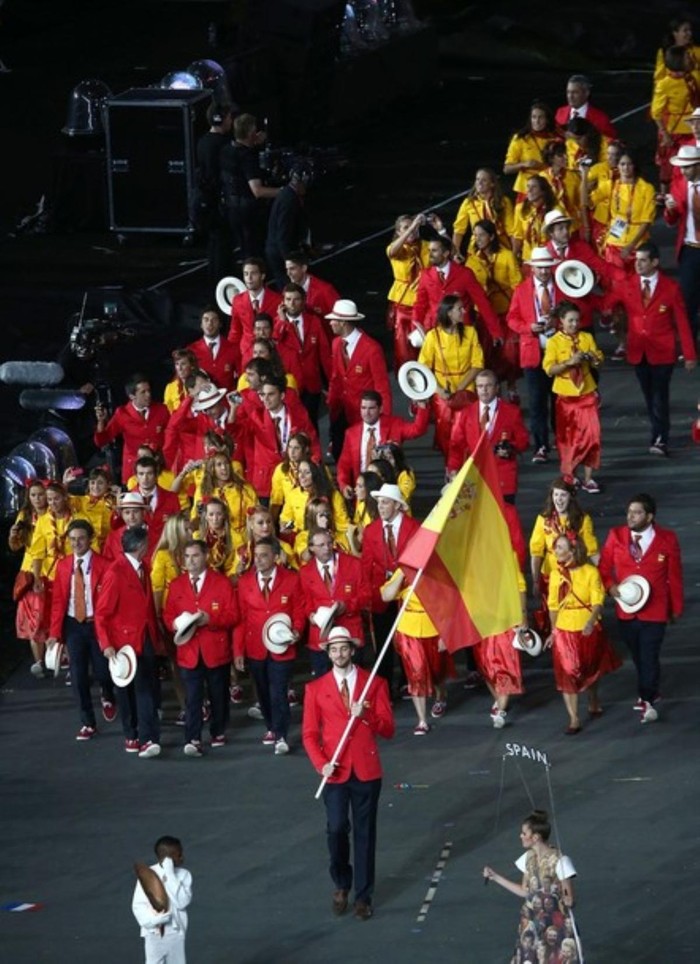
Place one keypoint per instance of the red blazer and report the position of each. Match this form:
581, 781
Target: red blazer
167, 504
112, 549
124, 612
653, 331
60, 591
507, 423
223, 369
325, 719
377, 562
320, 298
135, 432
217, 598
522, 314
313, 357
594, 115
607, 276
241, 333
460, 281
660, 564
367, 369
391, 429
184, 436
678, 215
266, 454
286, 597
350, 586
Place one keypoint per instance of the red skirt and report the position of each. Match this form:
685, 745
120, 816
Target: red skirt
499, 663
399, 321
32, 619
579, 661
423, 663
578, 431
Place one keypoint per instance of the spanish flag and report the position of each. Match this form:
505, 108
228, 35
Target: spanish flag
469, 584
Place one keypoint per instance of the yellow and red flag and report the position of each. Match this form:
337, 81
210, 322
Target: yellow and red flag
469, 585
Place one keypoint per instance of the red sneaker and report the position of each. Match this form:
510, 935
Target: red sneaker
109, 710
86, 733
132, 746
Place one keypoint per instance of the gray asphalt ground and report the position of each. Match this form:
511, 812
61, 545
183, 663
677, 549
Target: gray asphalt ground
76, 815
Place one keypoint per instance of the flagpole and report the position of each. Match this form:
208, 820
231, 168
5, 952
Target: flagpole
373, 672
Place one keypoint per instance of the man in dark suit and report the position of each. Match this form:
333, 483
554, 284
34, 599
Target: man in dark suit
354, 781
75, 590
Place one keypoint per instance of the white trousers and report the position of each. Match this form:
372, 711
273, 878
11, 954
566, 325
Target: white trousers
169, 949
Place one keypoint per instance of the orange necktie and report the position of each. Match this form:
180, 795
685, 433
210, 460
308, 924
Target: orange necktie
79, 606
484, 420
545, 300
266, 587
371, 444
345, 694
327, 578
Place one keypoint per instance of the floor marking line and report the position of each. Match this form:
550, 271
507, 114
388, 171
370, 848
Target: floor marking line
434, 881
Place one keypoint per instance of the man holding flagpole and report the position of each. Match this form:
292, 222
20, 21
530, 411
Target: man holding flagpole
354, 781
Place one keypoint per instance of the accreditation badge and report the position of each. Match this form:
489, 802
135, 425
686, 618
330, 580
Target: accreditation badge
618, 228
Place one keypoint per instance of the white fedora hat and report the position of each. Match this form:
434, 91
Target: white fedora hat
528, 641
688, 155
694, 116
555, 217
389, 491
324, 616
345, 310
416, 335
53, 657
207, 397
277, 633
185, 627
574, 278
226, 290
417, 381
131, 500
122, 667
542, 258
634, 593
339, 634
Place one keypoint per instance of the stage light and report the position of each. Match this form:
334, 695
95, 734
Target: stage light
180, 80
85, 105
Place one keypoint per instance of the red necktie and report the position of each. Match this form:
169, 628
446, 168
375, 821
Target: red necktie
79, 606
277, 419
256, 305
646, 292
346, 353
327, 578
345, 694
266, 587
635, 548
194, 582
484, 420
390, 541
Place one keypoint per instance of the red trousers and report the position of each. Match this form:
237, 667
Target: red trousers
578, 431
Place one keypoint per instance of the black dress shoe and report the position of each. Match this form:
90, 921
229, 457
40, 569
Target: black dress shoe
340, 902
362, 910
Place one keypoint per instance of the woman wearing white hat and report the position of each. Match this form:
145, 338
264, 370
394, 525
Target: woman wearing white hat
581, 651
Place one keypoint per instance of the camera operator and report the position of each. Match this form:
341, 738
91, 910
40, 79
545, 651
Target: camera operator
288, 225
208, 214
243, 188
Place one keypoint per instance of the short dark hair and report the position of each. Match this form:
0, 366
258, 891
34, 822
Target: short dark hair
146, 462
164, 844
444, 242
278, 383
133, 538
200, 543
298, 257
133, 380
255, 263
293, 288
371, 396
648, 502
83, 524
271, 542
648, 247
